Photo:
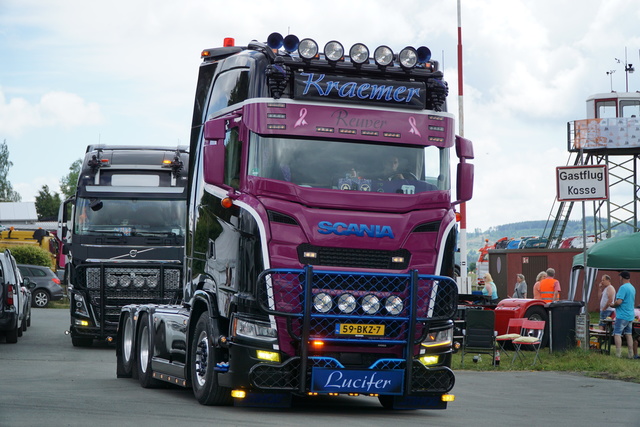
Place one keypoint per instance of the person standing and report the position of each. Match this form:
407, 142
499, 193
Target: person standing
550, 287
536, 286
625, 300
520, 290
607, 295
490, 290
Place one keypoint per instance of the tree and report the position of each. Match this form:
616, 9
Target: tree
69, 182
7, 194
47, 204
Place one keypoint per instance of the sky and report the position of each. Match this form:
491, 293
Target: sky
74, 73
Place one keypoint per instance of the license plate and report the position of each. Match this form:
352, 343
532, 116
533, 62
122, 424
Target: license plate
353, 329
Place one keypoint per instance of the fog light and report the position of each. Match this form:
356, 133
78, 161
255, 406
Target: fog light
322, 302
383, 55
393, 305
333, 51
370, 304
359, 53
308, 49
271, 356
408, 57
347, 303
429, 360
238, 394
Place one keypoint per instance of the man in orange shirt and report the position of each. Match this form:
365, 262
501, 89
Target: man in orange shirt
550, 287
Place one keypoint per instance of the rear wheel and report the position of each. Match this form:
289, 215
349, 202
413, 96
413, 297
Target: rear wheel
81, 341
126, 350
145, 354
539, 313
202, 362
40, 299
12, 335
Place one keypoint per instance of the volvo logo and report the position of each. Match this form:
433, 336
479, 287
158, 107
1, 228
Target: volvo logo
133, 253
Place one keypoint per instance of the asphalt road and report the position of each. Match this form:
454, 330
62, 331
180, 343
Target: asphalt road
44, 381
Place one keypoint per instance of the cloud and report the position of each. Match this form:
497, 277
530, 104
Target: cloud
54, 109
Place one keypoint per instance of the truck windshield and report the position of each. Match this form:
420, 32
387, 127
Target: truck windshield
345, 165
130, 217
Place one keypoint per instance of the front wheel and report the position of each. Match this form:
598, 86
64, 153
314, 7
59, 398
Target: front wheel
202, 362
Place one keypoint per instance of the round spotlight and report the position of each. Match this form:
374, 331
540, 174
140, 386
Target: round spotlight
291, 43
370, 304
138, 281
112, 281
383, 55
359, 53
346, 303
424, 54
308, 49
322, 302
393, 305
333, 51
275, 40
408, 57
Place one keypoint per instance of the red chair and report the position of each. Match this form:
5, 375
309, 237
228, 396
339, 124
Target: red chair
532, 332
514, 330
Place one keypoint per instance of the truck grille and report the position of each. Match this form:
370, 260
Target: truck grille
356, 258
127, 285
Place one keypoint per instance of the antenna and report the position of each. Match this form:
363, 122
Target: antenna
610, 74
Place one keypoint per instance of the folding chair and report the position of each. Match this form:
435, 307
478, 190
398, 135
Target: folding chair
514, 329
479, 334
532, 332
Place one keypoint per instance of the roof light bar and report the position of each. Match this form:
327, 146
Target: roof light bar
383, 56
359, 53
334, 51
308, 49
408, 58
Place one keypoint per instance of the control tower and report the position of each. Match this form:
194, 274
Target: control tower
610, 135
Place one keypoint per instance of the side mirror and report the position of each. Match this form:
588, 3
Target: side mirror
28, 283
464, 148
213, 155
214, 130
464, 182
65, 249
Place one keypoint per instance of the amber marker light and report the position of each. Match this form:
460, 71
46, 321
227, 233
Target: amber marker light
226, 202
317, 344
458, 217
238, 394
448, 397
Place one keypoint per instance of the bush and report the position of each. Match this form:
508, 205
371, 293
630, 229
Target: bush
27, 254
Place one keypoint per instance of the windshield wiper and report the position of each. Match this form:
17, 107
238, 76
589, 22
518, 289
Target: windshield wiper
107, 232
155, 233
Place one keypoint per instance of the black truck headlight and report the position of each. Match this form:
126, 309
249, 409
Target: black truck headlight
253, 329
438, 338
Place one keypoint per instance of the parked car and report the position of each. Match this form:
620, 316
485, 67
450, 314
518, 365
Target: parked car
47, 285
13, 315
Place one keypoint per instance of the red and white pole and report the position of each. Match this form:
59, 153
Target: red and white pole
465, 286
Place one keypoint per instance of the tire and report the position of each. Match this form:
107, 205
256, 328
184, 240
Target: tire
21, 328
386, 401
539, 313
202, 360
126, 348
144, 346
40, 299
81, 341
25, 324
12, 336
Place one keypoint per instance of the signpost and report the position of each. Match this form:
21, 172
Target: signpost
580, 184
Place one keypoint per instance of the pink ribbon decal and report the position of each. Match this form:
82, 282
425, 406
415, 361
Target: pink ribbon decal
414, 129
301, 121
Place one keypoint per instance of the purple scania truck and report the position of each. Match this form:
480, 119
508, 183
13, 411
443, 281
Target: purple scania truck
321, 232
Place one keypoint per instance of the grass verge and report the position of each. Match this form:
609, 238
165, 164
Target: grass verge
589, 363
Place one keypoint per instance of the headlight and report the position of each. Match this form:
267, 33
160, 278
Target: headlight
359, 53
253, 329
308, 49
393, 305
322, 302
333, 51
80, 306
112, 280
383, 55
436, 338
138, 281
408, 57
370, 304
347, 303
